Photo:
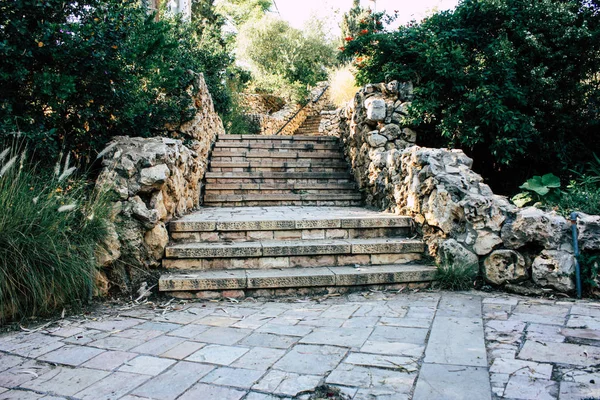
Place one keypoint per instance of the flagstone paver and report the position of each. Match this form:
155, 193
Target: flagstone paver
371, 345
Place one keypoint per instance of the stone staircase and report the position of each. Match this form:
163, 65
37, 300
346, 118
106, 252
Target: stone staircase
287, 223
256, 170
310, 126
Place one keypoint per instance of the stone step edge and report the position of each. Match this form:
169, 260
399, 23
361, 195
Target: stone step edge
278, 175
289, 186
295, 277
293, 138
248, 144
392, 221
350, 194
296, 163
281, 248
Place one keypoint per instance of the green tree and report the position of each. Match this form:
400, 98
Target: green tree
75, 73
351, 21
515, 83
242, 11
284, 60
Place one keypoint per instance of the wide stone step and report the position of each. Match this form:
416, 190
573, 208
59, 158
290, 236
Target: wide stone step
270, 163
280, 186
286, 218
294, 261
261, 194
276, 153
278, 248
295, 277
326, 195
278, 175
277, 203
289, 138
252, 144
288, 234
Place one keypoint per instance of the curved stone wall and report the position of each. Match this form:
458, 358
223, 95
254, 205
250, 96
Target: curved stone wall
461, 219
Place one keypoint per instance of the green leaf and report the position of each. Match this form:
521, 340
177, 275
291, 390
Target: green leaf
551, 181
536, 185
522, 199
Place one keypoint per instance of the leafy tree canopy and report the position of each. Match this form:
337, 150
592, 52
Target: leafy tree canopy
75, 73
284, 60
515, 83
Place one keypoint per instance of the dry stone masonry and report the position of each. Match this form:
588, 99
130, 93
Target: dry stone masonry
461, 219
153, 180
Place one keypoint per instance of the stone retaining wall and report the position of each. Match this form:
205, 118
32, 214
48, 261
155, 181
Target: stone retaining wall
461, 219
153, 180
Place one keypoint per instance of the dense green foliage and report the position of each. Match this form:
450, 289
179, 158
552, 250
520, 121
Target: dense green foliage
50, 227
284, 60
515, 83
73, 74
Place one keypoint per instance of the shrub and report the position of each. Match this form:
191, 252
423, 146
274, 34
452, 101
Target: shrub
455, 276
75, 73
514, 83
49, 229
342, 86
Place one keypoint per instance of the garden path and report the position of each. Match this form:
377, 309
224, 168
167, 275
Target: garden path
406, 344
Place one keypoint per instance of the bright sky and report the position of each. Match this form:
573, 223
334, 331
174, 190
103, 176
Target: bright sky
297, 12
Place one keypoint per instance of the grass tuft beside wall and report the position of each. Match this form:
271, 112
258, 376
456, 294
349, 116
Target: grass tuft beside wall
50, 226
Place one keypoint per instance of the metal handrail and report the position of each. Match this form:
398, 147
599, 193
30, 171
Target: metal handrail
302, 108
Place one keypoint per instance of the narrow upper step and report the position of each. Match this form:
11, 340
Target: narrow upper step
291, 138
285, 218
295, 277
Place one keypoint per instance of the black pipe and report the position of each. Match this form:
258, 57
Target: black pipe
574, 216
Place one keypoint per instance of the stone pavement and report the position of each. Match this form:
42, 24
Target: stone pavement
371, 345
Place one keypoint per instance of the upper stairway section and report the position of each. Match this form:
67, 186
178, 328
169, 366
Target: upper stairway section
310, 126
298, 170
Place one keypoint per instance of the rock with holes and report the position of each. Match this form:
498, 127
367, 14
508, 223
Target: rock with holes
554, 268
505, 266
534, 226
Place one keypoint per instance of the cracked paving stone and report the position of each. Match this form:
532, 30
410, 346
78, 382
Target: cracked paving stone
218, 354
286, 383
206, 391
372, 378
343, 337
269, 340
223, 335
65, 381
235, 377
522, 387
311, 359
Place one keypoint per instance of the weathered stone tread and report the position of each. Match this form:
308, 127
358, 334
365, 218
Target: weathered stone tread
277, 248
295, 277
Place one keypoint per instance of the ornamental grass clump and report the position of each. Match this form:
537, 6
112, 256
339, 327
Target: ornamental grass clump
50, 226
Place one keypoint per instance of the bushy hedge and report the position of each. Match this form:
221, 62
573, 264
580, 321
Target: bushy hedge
75, 73
515, 83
